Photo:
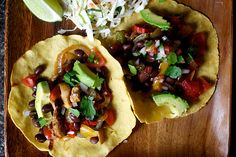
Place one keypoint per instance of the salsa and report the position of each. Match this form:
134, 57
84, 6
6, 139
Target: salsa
157, 60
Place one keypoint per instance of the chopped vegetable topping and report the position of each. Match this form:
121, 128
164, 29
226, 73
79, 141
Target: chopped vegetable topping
42, 122
172, 58
100, 17
74, 112
87, 107
154, 19
132, 69
174, 72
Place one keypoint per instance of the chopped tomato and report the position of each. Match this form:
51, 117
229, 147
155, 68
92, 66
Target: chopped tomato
30, 81
47, 132
99, 60
152, 50
140, 29
110, 117
185, 30
175, 20
55, 93
71, 133
205, 84
167, 48
192, 89
199, 39
89, 123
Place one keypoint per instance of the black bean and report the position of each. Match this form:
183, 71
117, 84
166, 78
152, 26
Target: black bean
170, 87
170, 80
140, 44
34, 94
154, 73
39, 69
76, 126
150, 58
33, 114
114, 48
94, 140
32, 103
36, 122
47, 108
74, 118
40, 138
126, 47
79, 53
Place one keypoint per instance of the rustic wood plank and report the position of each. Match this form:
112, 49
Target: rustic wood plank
205, 133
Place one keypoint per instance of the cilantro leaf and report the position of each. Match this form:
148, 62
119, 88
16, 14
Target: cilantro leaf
91, 57
189, 58
42, 121
148, 44
87, 108
172, 58
132, 69
70, 78
161, 1
180, 59
74, 112
173, 72
98, 81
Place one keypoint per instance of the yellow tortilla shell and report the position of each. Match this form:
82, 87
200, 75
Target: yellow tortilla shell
144, 107
46, 52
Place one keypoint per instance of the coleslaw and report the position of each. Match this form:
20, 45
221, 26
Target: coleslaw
97, 17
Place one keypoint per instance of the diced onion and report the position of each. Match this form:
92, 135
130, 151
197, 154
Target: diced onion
26, 113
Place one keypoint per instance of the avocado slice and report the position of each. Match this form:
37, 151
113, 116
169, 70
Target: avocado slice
153, 19
42, 97
86, 76
176, 104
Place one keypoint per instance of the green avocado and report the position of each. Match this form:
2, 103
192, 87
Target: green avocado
176, 104
86, 76
42, 97
153, 19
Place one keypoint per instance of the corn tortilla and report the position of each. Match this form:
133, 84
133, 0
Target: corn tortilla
46, 52
144, 107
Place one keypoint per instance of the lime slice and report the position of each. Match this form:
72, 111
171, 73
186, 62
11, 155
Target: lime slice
46, 10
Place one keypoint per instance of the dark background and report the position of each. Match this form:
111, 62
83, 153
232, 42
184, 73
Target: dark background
2, 15
2, 18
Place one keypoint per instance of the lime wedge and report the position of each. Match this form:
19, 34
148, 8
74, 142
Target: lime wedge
46, 10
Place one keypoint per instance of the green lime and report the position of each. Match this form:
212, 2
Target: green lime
46, 10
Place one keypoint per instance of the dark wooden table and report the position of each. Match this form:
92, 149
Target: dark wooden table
205, 133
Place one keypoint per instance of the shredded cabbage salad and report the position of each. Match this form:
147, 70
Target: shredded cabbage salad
97, 17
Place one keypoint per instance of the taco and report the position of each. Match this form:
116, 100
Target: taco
170, 58
68, 97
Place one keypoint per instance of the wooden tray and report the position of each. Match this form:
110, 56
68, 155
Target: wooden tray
205, 133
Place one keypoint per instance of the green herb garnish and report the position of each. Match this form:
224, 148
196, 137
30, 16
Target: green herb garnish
132, 69
180, 59
74, 112
91, 57
148, 44
87, 108
172, 58
173, 72
42, 121
189, 58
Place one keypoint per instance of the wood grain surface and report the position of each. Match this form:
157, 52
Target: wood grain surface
205, 133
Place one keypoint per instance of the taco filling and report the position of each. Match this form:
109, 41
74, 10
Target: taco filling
161, 59
76, 101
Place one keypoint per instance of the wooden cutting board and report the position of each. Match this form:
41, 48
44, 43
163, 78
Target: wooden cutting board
205, 133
